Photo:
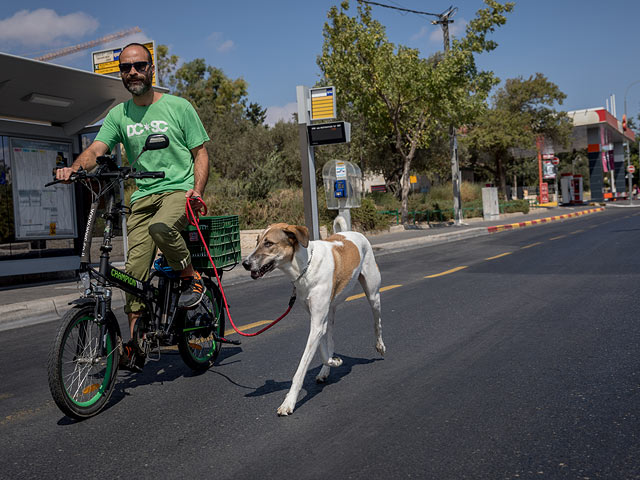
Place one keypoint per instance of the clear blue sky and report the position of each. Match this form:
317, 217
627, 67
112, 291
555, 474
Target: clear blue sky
586, 47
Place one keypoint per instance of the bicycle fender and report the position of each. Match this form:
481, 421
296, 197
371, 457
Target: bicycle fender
82, 301
111, 318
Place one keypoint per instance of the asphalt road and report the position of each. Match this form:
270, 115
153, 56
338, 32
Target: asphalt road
516, 358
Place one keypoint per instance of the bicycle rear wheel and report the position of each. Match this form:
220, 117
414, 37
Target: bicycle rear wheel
197, 343
82, 368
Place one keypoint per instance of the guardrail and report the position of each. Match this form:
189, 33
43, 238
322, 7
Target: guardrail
438, 215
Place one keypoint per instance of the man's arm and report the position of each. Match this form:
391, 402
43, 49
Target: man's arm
86, 160
200, 171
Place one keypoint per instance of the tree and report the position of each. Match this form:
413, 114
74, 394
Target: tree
522, 110
166, 66
400, 96
256, 114
203, 84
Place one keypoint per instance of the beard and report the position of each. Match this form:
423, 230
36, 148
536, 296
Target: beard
138, 85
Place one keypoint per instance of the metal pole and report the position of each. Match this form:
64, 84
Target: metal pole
456, 177
123, 218
307, 162
539, 148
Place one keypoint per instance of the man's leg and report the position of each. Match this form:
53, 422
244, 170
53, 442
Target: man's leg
165, 228
142, 250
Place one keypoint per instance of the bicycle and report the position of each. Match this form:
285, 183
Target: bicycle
84, 360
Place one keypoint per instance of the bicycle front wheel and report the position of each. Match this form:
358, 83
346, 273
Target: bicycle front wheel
83, 364
196, 342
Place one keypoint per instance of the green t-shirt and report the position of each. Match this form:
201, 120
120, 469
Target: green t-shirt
130, 124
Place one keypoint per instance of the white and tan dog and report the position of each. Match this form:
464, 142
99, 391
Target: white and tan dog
323, 272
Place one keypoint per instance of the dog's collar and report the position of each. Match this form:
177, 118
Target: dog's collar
304, 270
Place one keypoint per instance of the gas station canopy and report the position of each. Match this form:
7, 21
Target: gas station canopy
36, 91
591, 117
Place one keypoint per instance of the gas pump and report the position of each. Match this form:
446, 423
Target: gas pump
343, 187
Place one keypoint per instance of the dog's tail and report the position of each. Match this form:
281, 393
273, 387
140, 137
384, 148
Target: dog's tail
340, 224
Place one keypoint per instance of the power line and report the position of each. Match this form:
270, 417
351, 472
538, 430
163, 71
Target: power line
439, 15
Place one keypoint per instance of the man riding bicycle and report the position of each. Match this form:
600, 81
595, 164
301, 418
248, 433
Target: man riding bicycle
158, 206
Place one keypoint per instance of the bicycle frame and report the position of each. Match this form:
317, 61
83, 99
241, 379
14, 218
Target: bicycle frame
158, 300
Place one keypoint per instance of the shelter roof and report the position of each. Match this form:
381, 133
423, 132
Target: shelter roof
31, 90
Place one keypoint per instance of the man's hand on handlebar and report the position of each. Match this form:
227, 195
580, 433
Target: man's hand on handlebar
63, 174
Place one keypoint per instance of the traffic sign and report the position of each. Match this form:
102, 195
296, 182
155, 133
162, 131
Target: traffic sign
555, 160
631, 168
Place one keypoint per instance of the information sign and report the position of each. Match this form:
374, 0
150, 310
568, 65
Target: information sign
548, 170
105, 62
328, 133
41, 213
323, 103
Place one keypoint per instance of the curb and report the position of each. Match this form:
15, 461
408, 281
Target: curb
400, 245
499, 228
23, 314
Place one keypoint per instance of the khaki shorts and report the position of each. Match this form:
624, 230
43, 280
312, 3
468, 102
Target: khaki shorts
155, 222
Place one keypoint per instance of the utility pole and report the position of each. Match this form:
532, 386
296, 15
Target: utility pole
443, 19
456, 178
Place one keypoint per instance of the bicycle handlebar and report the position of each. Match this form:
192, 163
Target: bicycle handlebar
146, 175
107, 169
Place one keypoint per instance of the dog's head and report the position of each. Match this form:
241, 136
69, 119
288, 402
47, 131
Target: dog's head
276, 246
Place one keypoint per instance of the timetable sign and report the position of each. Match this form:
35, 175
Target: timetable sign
323, 103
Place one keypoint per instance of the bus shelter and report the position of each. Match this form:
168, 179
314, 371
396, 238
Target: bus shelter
44, 109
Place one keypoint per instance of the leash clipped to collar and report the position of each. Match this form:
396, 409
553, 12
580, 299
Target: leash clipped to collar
194, 219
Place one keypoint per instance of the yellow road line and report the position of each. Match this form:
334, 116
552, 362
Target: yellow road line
532, 245
558, 237
453, 270
247, 327
577, 231
361, 295
498, 256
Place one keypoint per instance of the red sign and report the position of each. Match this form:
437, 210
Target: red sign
631, 169
555, 160
544, 192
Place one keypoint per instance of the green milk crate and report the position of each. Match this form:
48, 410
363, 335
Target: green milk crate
222, 235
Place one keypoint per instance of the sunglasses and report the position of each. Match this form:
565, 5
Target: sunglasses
140, 67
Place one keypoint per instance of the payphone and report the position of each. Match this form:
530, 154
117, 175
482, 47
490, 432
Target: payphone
343, 187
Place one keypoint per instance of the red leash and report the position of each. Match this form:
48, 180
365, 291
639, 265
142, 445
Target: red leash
194, 219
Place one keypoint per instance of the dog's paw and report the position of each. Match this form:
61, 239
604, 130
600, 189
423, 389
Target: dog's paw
285, 409
380, 347
334, 362
324, 373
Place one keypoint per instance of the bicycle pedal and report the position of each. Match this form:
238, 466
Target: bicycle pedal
230, 342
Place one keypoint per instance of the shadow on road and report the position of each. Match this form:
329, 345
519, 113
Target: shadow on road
167, 369
309, 385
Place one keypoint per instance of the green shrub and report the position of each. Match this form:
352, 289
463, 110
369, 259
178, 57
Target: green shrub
366, 217
513, 206
385, 200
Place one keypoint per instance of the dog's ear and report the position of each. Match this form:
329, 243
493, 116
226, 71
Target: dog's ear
300, 233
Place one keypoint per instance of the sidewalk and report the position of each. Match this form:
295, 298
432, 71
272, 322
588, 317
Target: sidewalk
31, 304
